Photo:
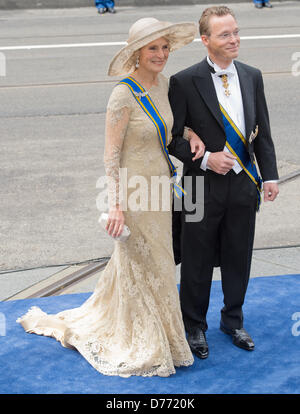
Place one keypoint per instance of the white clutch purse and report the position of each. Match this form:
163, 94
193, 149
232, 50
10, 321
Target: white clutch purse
123, 236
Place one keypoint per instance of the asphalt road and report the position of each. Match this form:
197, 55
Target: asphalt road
52, 122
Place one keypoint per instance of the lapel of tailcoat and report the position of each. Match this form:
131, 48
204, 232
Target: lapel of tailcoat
204, 84
247, 90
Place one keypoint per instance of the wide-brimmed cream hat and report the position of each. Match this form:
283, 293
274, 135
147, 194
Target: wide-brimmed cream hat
144, 31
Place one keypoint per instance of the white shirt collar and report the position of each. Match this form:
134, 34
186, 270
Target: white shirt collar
230, 70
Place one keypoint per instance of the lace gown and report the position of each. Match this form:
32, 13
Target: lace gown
132, 323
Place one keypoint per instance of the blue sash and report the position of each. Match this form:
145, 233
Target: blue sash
236, 143
147, 105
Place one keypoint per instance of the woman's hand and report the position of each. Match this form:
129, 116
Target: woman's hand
196, 144
115, 222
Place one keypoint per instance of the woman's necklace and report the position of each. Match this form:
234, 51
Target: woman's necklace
141, 94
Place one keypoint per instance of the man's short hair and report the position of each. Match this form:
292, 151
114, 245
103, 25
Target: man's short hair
219, 11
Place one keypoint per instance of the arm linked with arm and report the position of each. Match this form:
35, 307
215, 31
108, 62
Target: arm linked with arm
179, 147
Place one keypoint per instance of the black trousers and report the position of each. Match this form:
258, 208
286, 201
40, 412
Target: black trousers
226, 235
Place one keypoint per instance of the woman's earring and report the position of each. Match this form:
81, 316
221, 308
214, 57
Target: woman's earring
137, 63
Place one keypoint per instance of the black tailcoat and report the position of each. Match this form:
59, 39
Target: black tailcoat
225, 235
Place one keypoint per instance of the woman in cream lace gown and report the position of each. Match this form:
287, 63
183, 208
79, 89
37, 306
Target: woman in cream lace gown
132, 323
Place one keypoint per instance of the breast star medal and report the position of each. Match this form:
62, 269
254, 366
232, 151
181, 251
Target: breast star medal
225, 84
253, 135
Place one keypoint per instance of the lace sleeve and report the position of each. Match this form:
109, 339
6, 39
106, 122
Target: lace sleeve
117, 118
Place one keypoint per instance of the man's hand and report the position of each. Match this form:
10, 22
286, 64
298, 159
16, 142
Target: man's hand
271, 191
196, 144
220, 162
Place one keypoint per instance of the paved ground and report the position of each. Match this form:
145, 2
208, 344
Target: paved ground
266, 262
52, 130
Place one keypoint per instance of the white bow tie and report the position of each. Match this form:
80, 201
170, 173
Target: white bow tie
224, 72
219, 72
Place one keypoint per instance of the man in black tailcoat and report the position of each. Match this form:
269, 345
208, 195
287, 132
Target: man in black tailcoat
225, 234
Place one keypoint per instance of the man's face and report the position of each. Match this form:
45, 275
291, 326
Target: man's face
224, 41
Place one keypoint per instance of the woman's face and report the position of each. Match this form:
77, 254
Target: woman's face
153, 57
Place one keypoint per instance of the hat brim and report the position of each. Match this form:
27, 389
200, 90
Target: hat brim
179, 34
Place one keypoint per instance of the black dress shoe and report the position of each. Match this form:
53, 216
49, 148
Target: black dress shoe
197, 342
240, 337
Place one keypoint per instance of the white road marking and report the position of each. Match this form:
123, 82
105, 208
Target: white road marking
104, 44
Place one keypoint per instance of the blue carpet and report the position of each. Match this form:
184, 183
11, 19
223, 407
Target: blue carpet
32, 364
